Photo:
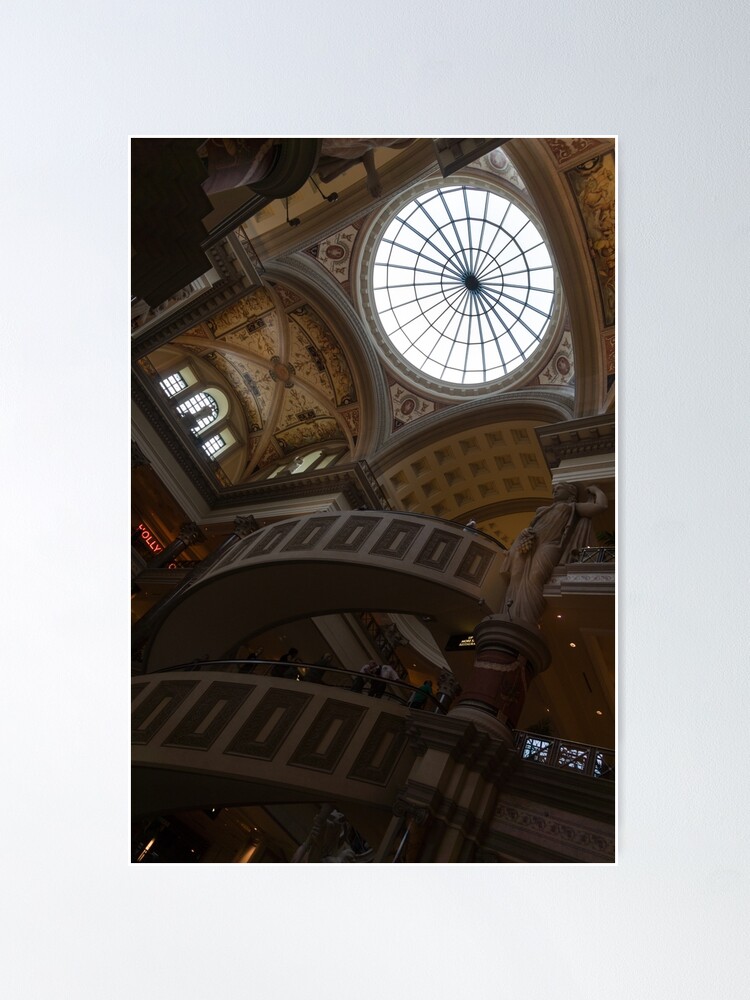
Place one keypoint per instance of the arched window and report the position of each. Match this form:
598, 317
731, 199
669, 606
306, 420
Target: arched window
203, 406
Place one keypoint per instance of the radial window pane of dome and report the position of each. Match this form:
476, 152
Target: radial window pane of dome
204, 406
463, 284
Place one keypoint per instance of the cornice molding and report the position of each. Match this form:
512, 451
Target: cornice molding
226, 291
578, 438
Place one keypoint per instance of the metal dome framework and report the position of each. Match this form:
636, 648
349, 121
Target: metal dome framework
463, 285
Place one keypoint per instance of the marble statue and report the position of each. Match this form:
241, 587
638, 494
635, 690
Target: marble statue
328, 840
553, 534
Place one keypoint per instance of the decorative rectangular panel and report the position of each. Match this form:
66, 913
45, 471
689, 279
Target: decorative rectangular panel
352, 534
309, 534
151, 713
437, 553
209, 716
331, 732
254, 738
474, 564
381, 751
396, 539
137, 689
271, 538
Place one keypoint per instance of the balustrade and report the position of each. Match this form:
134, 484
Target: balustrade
594, 554
565, 754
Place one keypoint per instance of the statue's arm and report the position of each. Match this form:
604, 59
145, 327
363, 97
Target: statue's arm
594, 506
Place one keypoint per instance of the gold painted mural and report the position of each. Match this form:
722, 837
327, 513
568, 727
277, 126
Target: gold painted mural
593, 184
291, 384
565, 150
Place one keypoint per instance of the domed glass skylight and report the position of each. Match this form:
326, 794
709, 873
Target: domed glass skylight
463, 285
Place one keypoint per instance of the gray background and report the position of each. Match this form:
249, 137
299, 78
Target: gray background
671, 82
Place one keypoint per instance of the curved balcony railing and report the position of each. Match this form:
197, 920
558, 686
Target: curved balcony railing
351, 680
566, 755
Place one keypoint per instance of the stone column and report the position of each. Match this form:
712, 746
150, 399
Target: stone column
508, 657
449, 798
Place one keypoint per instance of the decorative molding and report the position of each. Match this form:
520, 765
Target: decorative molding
558, 833
309, 534
397, 539
381, 751
577, 439
221, 700
224, 293
317, 750
569, 152
352, 535
475, 564
144, 724
269, 539
247, 741
438, 550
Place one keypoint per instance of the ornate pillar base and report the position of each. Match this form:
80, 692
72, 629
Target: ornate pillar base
508, 657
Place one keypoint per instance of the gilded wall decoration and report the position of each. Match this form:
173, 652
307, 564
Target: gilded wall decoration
249, 382
262, 336
329, 349
593, 184
565, 150
609, 351
282, 371
310, 364
351, 416
270, 456
147, 368
253, 305
408, 406
299, 407
313, 432
287, 296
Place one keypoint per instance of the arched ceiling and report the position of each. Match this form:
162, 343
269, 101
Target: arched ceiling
291, 381
294, 356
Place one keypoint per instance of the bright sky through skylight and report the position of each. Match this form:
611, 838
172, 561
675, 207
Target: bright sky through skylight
463, 285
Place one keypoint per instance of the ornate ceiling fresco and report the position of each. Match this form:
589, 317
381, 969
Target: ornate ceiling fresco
589, 168
285, 368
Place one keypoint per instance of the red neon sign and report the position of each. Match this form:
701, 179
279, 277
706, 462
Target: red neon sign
149, 539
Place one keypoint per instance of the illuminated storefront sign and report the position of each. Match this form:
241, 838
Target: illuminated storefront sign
148, 537
460, 641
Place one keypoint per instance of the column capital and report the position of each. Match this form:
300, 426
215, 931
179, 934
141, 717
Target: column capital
245, 525
189, 533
